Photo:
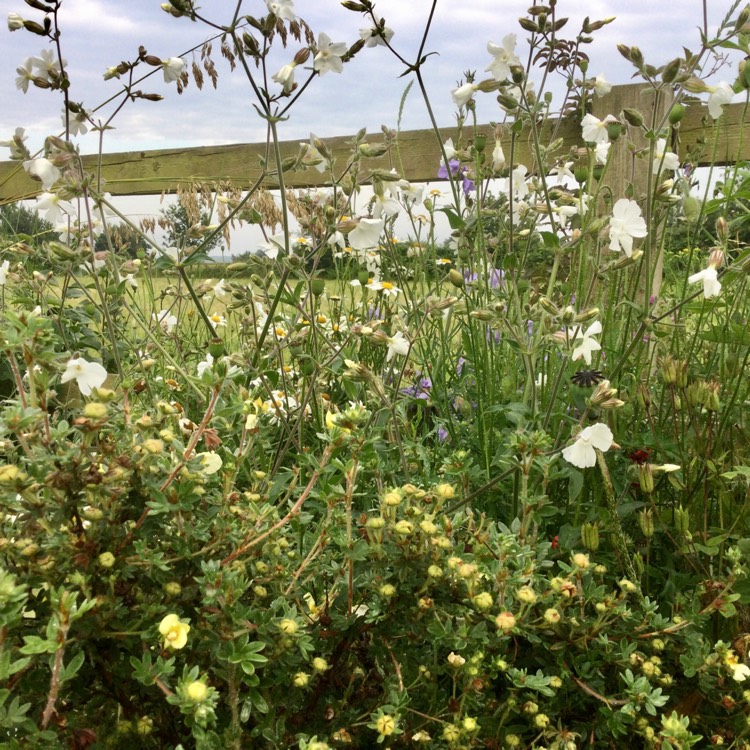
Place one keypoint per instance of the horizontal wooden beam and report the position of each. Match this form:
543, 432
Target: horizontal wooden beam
164, 170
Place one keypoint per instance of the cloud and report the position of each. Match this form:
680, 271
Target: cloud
100, 15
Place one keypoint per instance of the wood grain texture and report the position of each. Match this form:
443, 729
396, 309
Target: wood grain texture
163, 170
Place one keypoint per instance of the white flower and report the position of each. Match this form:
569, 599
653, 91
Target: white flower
388, 289
210, 462
25, 75
601, 85
385, 204
397, 344
4, 268
664, 159
77, 122
740, 672
44, 170
583, 452
498, 156
601, 153
720, 95
47, 64
450, 151
464, 93
88, 375
505, 56
711, 283
366, 234
312, 157
410, 193
166, 321
218, 320
271, 248
130, 281
207, 364
219, 289
56, 208
282, 8
329, 55
595, 130
172, 68
15, 22
285, 77
625, 224
588, 343
375, 36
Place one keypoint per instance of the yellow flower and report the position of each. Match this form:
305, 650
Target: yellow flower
197, 691
386, 725
175, 631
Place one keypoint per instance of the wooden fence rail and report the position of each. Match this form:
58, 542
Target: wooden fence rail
164, 170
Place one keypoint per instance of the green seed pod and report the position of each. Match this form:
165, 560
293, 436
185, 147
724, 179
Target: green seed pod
590, 536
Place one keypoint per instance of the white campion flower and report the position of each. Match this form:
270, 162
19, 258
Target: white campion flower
271, 248
595, 130
372, 37
664, 159
207, 364
172, 68
601, 153
164, 320
15, 22
25, 75
54, 207
44, 170
4, 268
625, 224
77, 122
47, 64
582, 453
711, 283
366, 234
130, 281
498, 156
329, 55
282, 8
463, 94
505, 56
601, 85
285, 77
88, 375
719, 95
219, 289
450, 150
588, 343
397, 344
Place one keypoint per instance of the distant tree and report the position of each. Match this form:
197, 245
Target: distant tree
177, 228
16, 219
125, 240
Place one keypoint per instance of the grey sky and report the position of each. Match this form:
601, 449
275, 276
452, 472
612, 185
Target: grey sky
100, 33
97, 34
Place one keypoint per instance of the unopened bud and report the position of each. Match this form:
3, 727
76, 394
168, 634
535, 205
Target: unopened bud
671, 70
681, 520
585, 315
646, 478
722, 229
456, 278
646, 522
590, 536
716, 257
632, 117
549, 306
676, 114
302, 56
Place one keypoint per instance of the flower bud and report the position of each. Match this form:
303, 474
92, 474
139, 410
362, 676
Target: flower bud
681, 520
646, 522
633, 117
456, 278
590, 536
646, 478
676, 114
197, 691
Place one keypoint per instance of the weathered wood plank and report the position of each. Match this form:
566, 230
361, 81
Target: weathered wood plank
154, 172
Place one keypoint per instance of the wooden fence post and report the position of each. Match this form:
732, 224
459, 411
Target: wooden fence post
625, 168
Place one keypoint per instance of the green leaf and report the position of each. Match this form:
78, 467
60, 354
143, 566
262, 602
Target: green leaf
455, 221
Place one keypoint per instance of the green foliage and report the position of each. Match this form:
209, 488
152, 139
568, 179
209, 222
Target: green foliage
494, 494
